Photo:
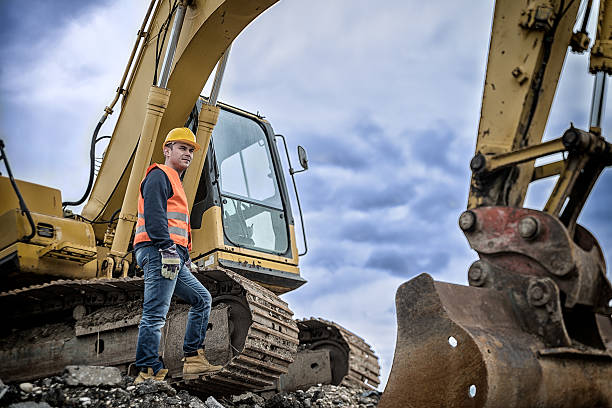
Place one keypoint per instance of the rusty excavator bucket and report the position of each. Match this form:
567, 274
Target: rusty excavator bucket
533, 329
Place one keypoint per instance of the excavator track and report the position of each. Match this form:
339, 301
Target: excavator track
270, 344
96, 322
353, 361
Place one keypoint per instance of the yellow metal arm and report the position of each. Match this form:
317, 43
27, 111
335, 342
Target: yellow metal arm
206, 123
548, 170
209, 28
500, 161
525, 60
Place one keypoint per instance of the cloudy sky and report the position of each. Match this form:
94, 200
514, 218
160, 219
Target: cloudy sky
385, 99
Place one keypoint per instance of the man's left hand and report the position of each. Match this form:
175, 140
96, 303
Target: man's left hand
170, 262
192, 266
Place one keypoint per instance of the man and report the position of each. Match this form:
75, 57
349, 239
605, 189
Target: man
162, 243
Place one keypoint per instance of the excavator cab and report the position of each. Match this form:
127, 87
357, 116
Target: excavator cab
242, 193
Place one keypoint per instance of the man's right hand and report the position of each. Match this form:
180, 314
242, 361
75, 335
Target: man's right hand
171, 262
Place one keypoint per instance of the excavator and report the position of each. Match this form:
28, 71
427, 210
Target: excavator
70, 281
532, 329
534, 326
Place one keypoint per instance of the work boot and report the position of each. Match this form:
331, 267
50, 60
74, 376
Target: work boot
195, 366
148, 375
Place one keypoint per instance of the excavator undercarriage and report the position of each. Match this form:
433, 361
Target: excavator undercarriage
251, 333
330, 354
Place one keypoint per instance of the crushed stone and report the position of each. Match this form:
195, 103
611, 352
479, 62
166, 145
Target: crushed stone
61, 391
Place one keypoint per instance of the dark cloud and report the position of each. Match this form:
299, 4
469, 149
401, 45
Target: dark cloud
373, 153
408, 263
441, 199
330, 257
597, 215
383, 195
380, 231
361, 145
20, 25
433, 148
335, 150
598, 208
332, 269
381, 147
365, 195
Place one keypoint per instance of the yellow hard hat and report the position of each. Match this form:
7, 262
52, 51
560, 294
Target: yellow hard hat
184, 135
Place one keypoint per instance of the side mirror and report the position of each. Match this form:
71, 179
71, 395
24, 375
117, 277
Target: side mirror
303, 157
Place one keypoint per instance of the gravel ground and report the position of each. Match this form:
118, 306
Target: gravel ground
85, 387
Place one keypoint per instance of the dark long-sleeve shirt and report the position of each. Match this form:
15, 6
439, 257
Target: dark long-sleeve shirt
156, 190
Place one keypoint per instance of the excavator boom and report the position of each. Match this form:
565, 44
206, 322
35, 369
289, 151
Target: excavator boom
208, 29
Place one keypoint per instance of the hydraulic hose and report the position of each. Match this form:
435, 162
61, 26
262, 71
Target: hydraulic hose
92, 159
22, 204
109, 109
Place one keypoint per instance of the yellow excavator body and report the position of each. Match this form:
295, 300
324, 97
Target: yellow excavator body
61, 247
76, 273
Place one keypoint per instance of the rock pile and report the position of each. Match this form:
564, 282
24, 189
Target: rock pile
326, 396
97, 387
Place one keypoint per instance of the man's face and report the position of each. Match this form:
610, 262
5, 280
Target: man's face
178, 156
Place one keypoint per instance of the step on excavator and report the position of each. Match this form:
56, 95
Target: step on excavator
534, 326
71, 282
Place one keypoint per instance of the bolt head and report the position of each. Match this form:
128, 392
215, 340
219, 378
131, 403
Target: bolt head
528, 227
477, 274
477, 162
538, 293
467, 220
570, 138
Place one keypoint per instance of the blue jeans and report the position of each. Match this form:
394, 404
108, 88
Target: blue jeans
158, 292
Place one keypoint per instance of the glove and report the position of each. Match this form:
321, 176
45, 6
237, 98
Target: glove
192, 267
171, 262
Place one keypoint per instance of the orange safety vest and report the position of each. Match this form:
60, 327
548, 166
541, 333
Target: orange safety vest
177, 211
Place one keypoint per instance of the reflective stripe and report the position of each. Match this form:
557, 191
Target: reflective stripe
171, 230
178, 231
172, 215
